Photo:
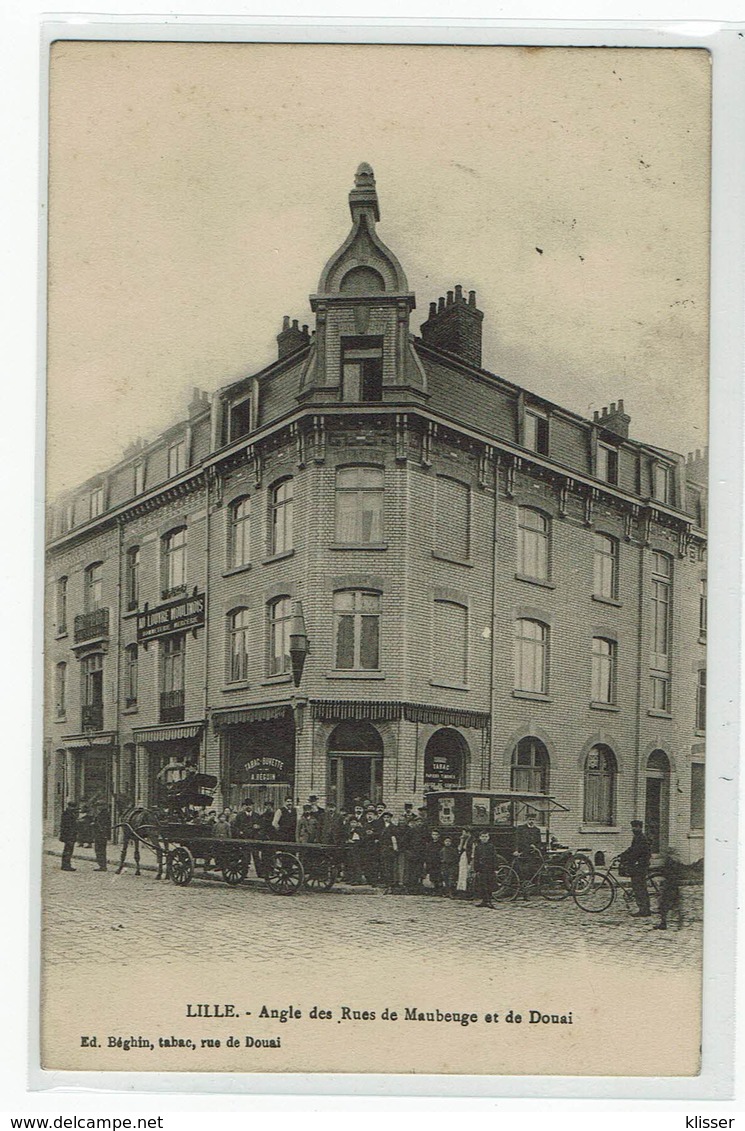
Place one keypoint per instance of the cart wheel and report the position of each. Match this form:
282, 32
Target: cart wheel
555, 882
234, 867
506, 883
181, 865
595, 896
581, 869
320, 873
285, 875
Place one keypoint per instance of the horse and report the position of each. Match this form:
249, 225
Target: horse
141, 826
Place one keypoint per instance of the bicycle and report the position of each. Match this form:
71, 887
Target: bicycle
551, 881
597, 893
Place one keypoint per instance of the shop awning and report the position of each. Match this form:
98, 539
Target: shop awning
106, 738
168, 733
238, 715
331, 710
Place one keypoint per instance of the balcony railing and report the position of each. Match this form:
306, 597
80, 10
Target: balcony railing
92, 716
91, 626
172, 706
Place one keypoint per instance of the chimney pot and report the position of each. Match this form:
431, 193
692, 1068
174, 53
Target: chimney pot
613, 407
294, 324
450, 298
441, 304
286, 322
471, 298
459, 293
596, 415
620, 405
432, 309
305, 329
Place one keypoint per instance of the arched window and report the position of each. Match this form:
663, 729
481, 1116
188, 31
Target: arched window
130, 675
529, 772
600, 786
280, 621
174, 562
238, 637
359, 504
132, 577
531, 656
93, 587
533, 536
356, 630
445, 760
605, 567
280, 517
239, 533
603, 670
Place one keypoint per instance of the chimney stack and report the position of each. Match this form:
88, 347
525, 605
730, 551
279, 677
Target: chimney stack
291, 338
454, 325
613, 419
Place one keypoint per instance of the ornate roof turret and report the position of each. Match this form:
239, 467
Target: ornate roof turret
363, 265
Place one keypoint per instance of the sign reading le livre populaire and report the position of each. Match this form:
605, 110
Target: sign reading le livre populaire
175, 616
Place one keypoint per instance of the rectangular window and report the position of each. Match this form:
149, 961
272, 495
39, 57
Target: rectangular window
536, 432
532, 544
701, 700
452, 530
239, 644
60, 690
93, 587
661, 692
92, 692
661, 601
359, 505
139, 478
662, 483
61, 605
531, 656
603, 670
96, 502
280, 622
697, 795
240, 418
450, 644
362, 370
607, 469
174, 563
357, 630
239, 534
130, 675
172, 662
280, 518
605, 567
176, 458
703, 610
132, 577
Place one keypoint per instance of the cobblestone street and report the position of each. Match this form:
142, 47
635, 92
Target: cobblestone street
91, 917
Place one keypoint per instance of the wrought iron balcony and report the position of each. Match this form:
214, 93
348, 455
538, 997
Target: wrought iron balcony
92, 716
172, 706
91, 626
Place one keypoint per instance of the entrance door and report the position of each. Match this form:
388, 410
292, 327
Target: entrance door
353, 777
656, 801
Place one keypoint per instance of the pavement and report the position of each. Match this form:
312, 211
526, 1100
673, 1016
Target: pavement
103, 911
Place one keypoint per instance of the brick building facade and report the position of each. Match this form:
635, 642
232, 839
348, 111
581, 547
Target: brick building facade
493, 592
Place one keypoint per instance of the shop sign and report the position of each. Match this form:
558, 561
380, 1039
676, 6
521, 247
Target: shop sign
175, 616
442, 771
267, 770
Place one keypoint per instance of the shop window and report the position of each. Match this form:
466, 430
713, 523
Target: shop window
450, 643
603, 670
239, 533
600, 786
531, 656
130, 675
359, 505
605, 566
280, 517
697, 795
174, 547
60, 690
132, 577
61, 605
238, 639
93, 587
280, 621
356, 630
176, 458
607, 463
701, 700
529, 772
452, 530
533, 544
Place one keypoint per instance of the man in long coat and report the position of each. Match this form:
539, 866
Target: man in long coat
68, 833
101, 835
636, 860
485, 867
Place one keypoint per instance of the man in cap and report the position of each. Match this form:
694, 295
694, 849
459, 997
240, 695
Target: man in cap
101, 835
635, 863
68, 832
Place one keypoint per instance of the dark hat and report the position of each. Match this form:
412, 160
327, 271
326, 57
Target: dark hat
637, 824
307, 808
387, 814
313, 797
408, 805
247, 801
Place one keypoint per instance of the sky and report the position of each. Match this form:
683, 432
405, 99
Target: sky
196, 191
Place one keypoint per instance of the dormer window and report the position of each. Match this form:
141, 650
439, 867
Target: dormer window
139, 478
176, 458
607, 468
96, 502
536, 431
240, 418
362, 369
662, 483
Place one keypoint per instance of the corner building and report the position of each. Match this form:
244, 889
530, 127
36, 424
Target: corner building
489, 591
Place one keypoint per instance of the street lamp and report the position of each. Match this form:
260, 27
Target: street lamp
299, 643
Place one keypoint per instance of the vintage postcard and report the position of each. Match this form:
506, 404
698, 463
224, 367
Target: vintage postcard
376, 576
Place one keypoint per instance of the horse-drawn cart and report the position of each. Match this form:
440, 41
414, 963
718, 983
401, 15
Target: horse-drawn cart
181, 841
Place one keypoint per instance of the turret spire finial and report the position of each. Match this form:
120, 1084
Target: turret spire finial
363, 196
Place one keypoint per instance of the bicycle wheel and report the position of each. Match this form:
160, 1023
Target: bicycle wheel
506, 883
596, 896
581, 869
554, 882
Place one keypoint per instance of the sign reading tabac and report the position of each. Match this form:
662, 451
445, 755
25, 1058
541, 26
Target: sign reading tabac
175, 616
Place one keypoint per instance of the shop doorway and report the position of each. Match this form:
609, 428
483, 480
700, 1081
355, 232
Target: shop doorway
94, 777
355, 764
445, 760
657, 801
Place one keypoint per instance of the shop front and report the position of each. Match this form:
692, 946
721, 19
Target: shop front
155, 748
257, 754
